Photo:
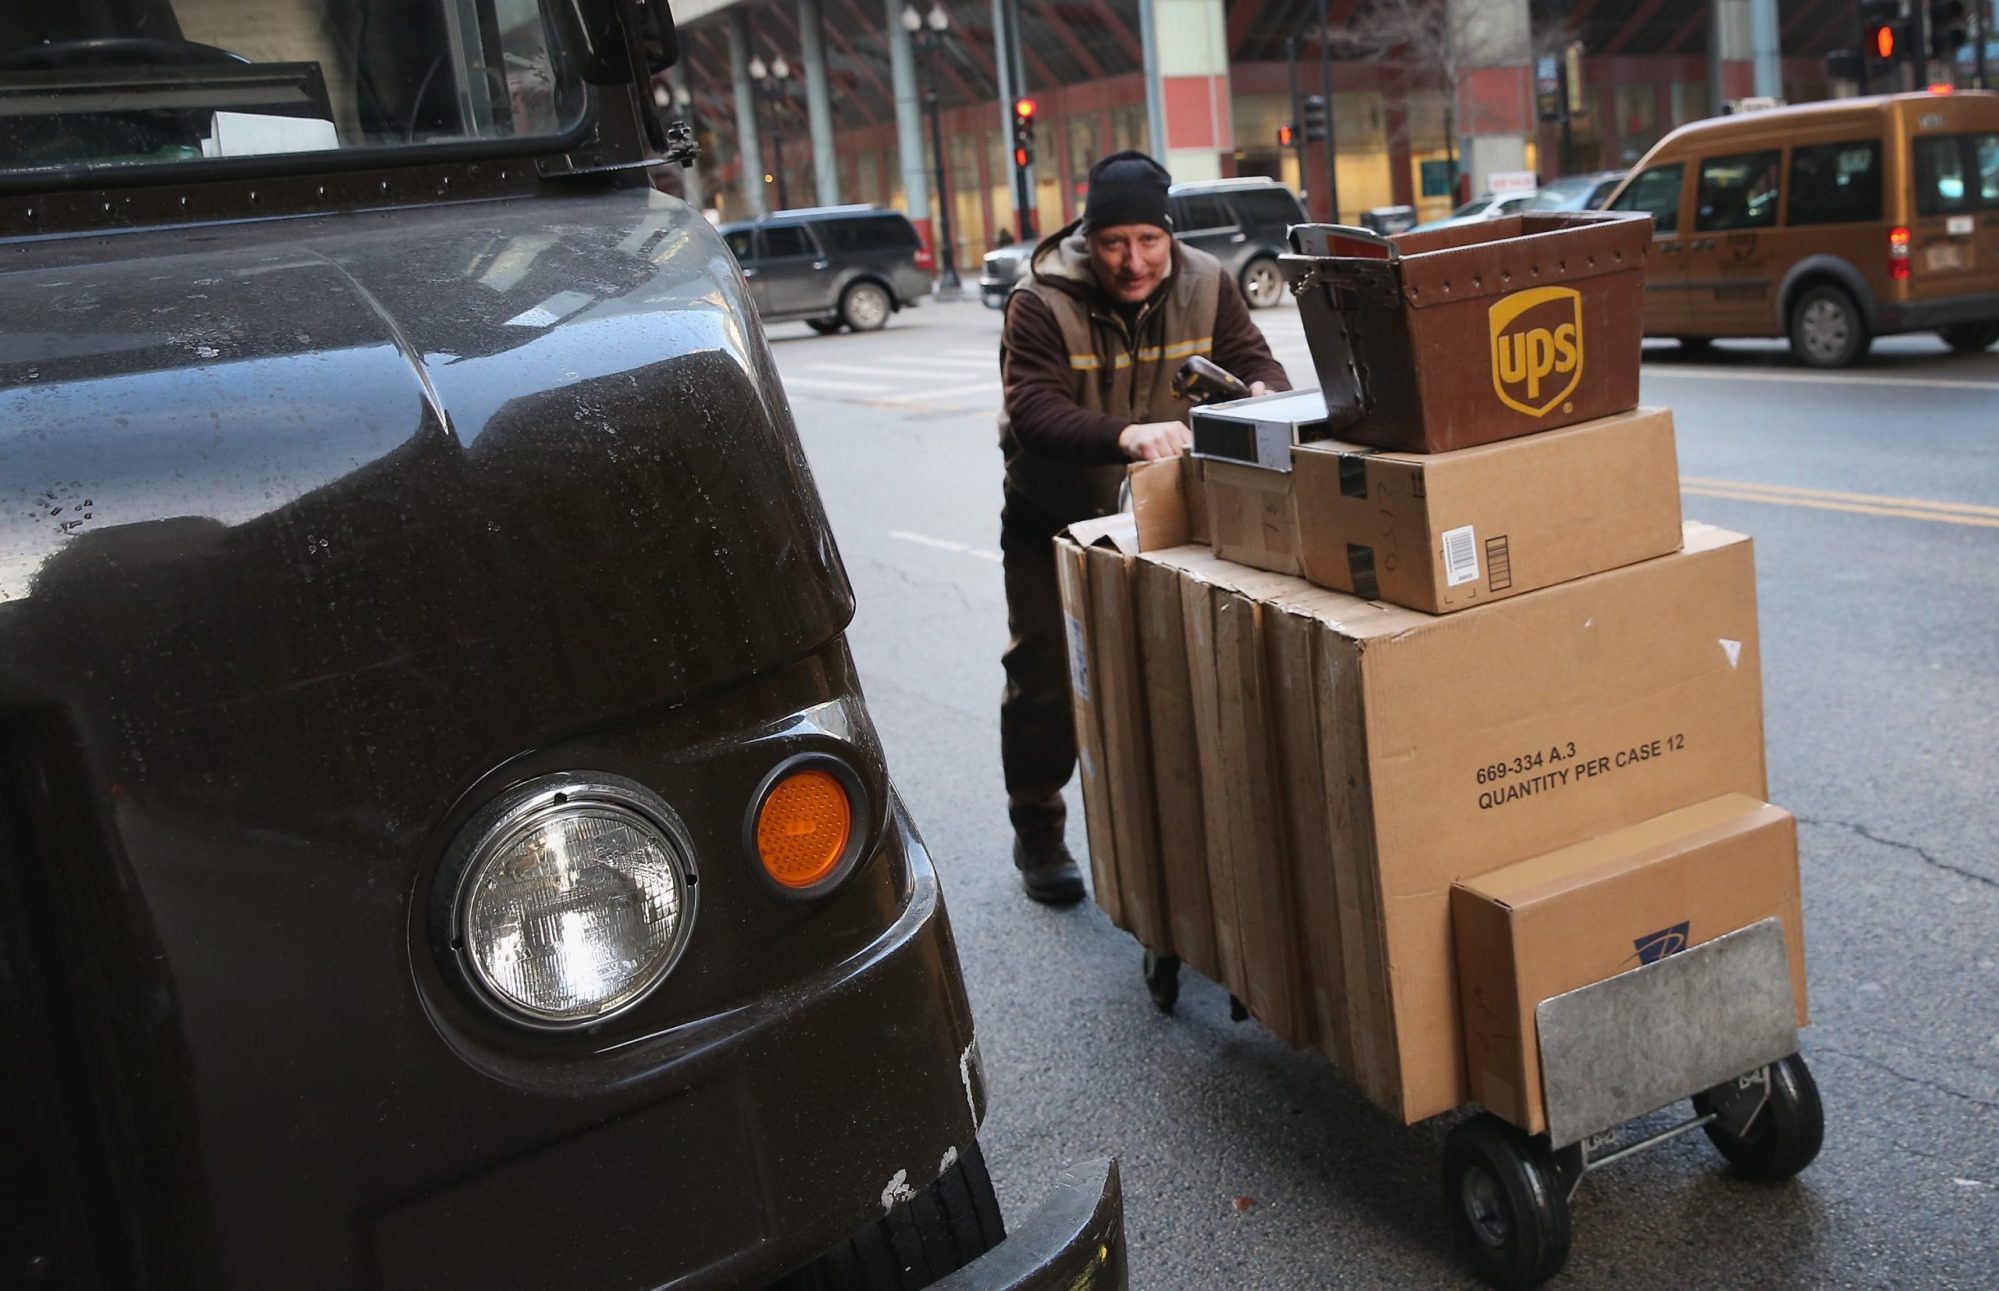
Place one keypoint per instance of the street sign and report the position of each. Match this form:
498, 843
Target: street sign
1512, 181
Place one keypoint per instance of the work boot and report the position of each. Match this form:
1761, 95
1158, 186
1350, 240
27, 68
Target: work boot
1047, 871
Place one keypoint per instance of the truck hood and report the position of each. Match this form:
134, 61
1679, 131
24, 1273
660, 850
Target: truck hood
525, 455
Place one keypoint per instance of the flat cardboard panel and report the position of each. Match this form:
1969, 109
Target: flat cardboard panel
1072, 574
1250, 516
1583, 913
1159, 503
1494, 737
1441, 532
1127, 758
1260, 869
1176, 768
1308, 850
1197, 607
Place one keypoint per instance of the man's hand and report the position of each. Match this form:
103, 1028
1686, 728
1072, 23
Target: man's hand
1256, 388
1150, 441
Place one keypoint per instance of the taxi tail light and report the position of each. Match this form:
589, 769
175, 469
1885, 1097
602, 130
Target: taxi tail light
1898, 254
805, 826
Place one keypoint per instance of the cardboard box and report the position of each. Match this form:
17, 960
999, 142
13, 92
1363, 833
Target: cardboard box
1564, 920
1072, 575
1440, 532
1250, 883
1452, 746
1474, 333
1114, 744
1251, 517
1181, 831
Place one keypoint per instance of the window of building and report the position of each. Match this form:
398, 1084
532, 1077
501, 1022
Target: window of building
1836, 183
1657, 193
1738, 192
1128, 129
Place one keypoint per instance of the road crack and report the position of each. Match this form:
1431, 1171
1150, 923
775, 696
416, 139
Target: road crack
1863, 831
1934, 1086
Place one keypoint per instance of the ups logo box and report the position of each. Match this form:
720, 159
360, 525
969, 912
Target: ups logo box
1433, 341
1537, 348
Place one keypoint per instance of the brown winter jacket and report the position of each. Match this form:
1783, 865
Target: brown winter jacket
1075, 376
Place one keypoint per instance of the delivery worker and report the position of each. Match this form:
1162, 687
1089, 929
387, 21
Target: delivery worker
1110, 308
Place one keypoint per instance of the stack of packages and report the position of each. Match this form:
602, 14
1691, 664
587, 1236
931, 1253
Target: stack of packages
1401, 729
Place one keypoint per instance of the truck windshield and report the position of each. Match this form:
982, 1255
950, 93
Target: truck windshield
117, 83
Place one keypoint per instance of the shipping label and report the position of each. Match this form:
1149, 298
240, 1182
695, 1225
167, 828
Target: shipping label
1559, 767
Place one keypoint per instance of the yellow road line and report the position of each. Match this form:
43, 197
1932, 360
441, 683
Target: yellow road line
1899, 513
1834, 495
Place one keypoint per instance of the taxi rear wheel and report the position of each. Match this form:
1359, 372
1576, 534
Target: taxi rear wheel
1970, 338
1827, 329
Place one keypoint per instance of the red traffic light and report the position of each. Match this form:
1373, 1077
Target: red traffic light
1024, 109
1882, 38
1286, 136
1022, 158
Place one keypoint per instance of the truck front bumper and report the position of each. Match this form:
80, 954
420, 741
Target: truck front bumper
1075, 1240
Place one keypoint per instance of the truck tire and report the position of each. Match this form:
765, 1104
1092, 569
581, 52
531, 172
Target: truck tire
1827, 328
940, 1230
1262, 283
1970, 338
865, 306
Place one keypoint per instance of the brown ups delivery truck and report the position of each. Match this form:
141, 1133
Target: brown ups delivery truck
1828, 223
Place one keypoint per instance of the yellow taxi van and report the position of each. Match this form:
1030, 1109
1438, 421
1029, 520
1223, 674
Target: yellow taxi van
1828, 223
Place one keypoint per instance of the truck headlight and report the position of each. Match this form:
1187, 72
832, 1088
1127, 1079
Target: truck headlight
575, 899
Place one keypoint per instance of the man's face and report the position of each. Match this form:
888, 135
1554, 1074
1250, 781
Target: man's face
1130, 260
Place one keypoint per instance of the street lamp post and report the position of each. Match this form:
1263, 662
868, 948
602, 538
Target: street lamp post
928, 34
773, 86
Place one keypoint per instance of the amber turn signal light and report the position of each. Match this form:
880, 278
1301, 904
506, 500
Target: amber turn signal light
803, 828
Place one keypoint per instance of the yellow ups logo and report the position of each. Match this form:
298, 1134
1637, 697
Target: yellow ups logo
1537, 348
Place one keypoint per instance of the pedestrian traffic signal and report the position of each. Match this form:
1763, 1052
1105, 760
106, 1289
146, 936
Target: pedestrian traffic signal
1881, 43
1312, 117
1287, 135
1948, 32
1023, 133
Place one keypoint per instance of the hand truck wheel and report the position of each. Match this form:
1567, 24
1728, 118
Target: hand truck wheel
1786, 1132
1162, 979
1508, 1205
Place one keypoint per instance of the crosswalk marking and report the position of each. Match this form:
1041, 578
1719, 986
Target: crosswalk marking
943, 392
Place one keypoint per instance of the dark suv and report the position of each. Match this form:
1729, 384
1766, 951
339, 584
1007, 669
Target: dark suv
832, 266
1243, 223
445, 841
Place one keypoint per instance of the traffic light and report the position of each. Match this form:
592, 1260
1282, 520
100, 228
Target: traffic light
1023, 133
1312, 117
1882, 46
1287, 135
1948, 32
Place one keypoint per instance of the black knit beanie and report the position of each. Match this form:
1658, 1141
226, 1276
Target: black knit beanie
1127, 188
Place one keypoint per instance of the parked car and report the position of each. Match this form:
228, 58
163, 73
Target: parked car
446, 843
832, 266
1827, 223
1488, 206
1241, 222
1577, 192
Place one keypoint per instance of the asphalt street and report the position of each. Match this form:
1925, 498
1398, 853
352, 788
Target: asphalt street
1873, 496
